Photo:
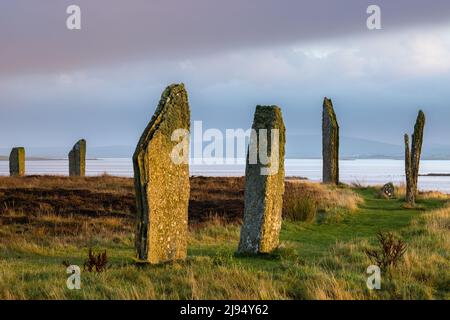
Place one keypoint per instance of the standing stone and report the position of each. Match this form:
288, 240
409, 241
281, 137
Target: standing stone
412, 159
416, 148
264, 188
162, 184
388, 190
410, 194
17, 162
330, 143
77, 159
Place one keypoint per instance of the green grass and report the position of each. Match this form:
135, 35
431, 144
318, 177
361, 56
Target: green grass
374, 215
315, 261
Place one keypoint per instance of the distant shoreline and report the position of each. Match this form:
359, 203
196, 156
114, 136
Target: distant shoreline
435, 175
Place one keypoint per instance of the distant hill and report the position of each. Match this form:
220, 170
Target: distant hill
6, 158
61, 152
303, 146
297, 147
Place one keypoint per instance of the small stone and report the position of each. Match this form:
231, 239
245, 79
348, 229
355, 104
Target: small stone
388, 190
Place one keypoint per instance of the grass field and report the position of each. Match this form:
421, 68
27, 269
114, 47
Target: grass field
46, 221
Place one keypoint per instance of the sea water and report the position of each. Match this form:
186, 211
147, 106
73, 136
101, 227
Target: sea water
364, 172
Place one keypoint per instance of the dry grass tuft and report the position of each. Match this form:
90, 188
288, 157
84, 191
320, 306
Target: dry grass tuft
304, 199
438, 223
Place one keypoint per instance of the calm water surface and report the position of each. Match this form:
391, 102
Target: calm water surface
366, 172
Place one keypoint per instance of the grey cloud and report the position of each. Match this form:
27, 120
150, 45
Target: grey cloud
34, 39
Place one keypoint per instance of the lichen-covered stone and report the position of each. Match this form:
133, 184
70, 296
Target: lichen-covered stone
412, 159
77, 159
416, 148
264, 192
388, 190
162, 186
330, 143
17, 162
410, 194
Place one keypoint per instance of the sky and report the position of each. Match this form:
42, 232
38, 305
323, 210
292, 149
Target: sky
103, 82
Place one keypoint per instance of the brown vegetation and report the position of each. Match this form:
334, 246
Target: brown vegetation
23, 199
390, 251
96, 262
89, 209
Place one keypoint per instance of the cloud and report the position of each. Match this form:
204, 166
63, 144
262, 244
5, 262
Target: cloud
104, 82
430, 54
376, 82
34, 38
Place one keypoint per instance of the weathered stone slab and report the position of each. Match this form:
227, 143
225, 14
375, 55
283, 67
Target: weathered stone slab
388, 190
77, 159
264, 183
330, 143
161, 183
412, 159
410, 194
17, 162
416, 147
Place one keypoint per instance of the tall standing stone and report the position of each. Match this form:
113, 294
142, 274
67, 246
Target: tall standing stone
410, 193
330, 143
264, 188
412, 159
162, 184
77, 159
416, 148
17, 162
